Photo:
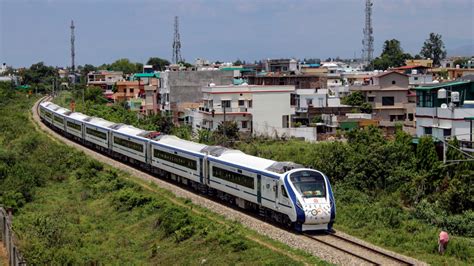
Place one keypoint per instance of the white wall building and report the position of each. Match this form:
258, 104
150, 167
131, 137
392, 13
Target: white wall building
256, 109
445, 110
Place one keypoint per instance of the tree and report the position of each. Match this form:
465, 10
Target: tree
462, 62
392, 56
185, 64
39, 73
354, 99
94, 95
125, 66
237, 63
229, 129
158, 64
434, 48
366, 108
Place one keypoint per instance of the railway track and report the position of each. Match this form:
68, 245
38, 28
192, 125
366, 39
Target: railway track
358, 250
360, 253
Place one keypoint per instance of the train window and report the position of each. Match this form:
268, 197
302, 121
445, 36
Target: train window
47, 114
73, 125
233, 177
283, 191
191, 164
58, 119
310, 184
96, 133
128, 144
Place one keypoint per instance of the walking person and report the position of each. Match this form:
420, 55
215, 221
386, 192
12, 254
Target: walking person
443, 242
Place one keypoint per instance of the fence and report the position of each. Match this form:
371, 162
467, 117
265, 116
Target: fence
8, 238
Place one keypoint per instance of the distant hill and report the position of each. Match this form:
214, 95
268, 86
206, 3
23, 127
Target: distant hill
465, 50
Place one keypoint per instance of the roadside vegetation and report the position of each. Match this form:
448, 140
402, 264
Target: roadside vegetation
70, 209
390, 192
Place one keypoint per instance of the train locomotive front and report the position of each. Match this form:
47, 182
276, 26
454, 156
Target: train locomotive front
313, 199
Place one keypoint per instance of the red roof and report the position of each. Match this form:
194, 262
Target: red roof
409, 67
390, 72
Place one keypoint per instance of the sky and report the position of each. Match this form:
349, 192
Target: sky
38, 30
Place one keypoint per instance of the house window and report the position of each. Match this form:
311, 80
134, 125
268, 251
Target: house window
388, 101
244, 124
428, 130
371, 99
250, 103
447, 132
393, 82
225, 104
415, 78
131, 90
309, 102
410, 117
401, 117
241, 102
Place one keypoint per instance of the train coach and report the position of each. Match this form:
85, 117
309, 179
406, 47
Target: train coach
284, 192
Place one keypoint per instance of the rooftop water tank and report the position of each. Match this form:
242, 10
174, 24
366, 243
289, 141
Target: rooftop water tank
455, 96
442, 94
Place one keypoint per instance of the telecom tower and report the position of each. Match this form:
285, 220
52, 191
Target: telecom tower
176, 43
368, 41
72, 47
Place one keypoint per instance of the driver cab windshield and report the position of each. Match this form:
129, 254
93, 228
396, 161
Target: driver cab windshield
309, 184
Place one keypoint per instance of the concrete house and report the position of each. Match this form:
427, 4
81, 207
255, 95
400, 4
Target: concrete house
390, 97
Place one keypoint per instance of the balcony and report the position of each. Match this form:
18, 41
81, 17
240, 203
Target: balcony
445, 113
220, 110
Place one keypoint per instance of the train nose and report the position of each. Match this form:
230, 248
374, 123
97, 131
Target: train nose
317, 213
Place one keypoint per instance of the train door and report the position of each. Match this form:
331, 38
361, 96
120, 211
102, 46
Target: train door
284, 199
259, 189
275, 189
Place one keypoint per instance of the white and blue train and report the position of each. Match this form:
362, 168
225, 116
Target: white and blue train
281, 191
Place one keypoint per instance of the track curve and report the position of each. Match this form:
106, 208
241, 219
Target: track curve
298, 241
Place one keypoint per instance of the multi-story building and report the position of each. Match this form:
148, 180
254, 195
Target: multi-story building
183, 87
266, 110
446, 109
280, 65
141, 92
104, 79
390, 97
417, 75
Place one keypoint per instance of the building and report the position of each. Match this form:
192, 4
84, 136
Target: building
417, 75
141, 92
280, 65
390, 97
257, 109
179, 87
445, 110
302, 81
104, 79
428, 63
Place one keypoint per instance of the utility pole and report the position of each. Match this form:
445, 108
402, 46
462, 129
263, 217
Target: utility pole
73, 53
224, 124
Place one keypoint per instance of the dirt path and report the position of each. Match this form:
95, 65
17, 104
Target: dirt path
3, 255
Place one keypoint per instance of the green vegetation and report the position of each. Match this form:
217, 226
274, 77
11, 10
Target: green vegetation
434, 48
392, 56
390, 192
69, 209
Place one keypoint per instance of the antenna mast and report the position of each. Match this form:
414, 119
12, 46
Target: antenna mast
72, 47
176, 43
368, 41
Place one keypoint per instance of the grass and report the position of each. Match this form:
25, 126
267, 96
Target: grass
70, 209
382, 220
